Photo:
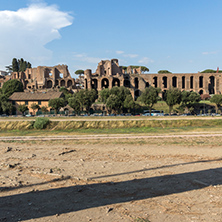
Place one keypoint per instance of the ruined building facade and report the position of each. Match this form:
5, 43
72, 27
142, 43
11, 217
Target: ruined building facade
109, 74
44, 77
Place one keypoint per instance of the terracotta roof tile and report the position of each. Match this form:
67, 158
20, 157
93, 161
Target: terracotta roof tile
29, 96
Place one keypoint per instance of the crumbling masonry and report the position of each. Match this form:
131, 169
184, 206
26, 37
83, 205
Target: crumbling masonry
109, 74
44, 77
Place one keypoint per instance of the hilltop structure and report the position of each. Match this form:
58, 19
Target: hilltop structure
43, 77
109, 74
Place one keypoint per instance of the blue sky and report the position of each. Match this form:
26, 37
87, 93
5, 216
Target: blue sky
177, 35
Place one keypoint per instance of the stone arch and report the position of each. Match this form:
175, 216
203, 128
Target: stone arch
174, 81
164, 82
86, 84
147, 84
136, 82
62, 82
211, 85
105, 83
136, 94
201, 92
200, 81
126, 83
155, 81
191, 82
183, 82
115, 82
94, 84
49, 84
69, 83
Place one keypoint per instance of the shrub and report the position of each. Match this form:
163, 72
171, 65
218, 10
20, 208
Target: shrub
41, 123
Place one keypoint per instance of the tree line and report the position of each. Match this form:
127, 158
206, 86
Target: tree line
18, 65
117, 100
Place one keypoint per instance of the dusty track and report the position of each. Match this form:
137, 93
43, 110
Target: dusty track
108, 136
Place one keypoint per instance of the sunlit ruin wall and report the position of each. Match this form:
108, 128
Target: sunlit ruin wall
44, 77
109, 74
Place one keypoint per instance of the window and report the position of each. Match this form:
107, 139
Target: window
13, 102
39, 102
26, 102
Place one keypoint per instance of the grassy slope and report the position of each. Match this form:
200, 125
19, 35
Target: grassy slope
150, 126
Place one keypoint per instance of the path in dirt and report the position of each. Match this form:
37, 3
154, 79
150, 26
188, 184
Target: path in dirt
108, 136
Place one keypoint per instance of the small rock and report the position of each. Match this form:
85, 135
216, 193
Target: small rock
8, 149
109, 209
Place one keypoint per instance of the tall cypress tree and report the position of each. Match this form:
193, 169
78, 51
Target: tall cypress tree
15, 65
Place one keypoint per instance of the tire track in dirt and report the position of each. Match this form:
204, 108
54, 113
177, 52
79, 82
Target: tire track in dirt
101, 137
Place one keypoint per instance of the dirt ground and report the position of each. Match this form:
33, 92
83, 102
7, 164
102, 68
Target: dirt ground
139, 180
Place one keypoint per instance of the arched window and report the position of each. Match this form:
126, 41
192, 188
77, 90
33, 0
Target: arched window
183, 82
164, 82
116, 82
201, 82
126, 83
105, 83
191, 82
136, 81
155, 81
49, 84
174, 81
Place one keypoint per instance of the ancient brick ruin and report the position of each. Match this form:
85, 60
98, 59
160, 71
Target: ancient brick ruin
109, 74
44, 77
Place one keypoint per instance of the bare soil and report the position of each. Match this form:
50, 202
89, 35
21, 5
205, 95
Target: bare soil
166, 179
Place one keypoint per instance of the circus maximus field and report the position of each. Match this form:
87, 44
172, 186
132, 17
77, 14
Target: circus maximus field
167, 175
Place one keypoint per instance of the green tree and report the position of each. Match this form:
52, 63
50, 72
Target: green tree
12, 86
44, 109
22, 65
144, 69
86, 98
150, 97
66, 93
75, 103
82, 99
35, 106
173, 97
104, 95
9, 68
29, 65
113, 103
56, 103
7, 107
121, 93
22, 109
163, 71
130, 104
217, 99
79, 72
189, 98
15, 65
208, 71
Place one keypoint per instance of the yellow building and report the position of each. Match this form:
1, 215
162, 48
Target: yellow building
29, 98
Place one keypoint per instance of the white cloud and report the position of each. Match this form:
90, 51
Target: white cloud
24, 33
209, 53
119, 52
145, 61
130, 55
